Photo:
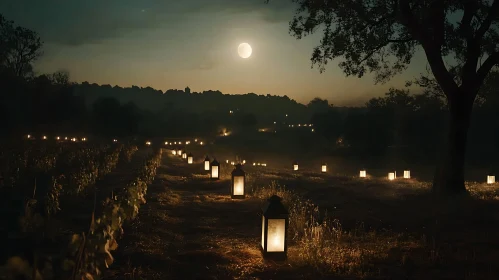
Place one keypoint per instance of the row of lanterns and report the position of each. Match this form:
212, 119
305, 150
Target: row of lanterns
363, 172
274, 214
58, 138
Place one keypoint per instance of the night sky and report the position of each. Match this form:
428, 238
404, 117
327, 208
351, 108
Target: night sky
169, 44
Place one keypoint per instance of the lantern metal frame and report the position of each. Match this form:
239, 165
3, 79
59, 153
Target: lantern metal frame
214, 163
274, 209
238, 172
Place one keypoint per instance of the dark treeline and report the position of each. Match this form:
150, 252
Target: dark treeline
400, 121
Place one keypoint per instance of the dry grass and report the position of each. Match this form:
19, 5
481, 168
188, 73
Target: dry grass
340, 227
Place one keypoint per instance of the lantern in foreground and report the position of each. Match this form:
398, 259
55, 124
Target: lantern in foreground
215, 170
391, 176
324, 168
184, 155
179, 152
207, 164
363, 173
189, 158
174, 152
407, 174
274, 229
491, 179
295, 166
238, 182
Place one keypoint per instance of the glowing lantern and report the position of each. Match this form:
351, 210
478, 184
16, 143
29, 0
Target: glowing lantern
264, 164
215, 170
148, 143
407, 174
184, 155
244, 161
174, 152
295, 166
175, 143
201, 143
83, 139
324, 168
166, 143
65, 138
180, 142
195, 140
363, 174
254, 164
207, 164
392, 176
179, 152
226, 161
44, 137
491, 179
115, 140
274, 229
238, 182
28, 136
189, 158
58, 138
232, 163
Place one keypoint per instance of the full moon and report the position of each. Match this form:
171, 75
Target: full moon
244, 50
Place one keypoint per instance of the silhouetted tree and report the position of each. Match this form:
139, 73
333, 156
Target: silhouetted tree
19, 47
366, 32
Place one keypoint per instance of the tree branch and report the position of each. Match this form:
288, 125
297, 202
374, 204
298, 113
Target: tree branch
470, 8
484, 27
380, 46
408, 20
439, 70
484, 70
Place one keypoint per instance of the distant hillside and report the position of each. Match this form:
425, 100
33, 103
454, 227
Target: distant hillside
266, 107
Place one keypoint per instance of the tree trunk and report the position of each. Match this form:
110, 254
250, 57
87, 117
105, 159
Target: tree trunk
449, 175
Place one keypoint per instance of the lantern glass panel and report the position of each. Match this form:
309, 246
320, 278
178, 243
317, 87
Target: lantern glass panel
276, 235
238, 185
391, 176
189, 160
174, 152
324, 168
184, 155
214, 172
407, 174
295, 167
206, 165
491, 179
362, 174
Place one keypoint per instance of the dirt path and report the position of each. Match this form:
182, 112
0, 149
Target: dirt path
191, 229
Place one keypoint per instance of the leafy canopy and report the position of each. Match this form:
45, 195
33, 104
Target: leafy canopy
382, 36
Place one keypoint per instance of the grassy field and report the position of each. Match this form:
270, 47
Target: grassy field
341, 226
